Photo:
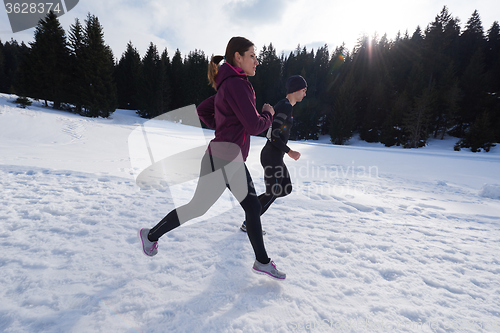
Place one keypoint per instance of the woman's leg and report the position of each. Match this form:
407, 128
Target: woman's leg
210, 187
251, 205
252, 208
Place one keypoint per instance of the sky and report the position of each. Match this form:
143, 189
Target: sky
208, 25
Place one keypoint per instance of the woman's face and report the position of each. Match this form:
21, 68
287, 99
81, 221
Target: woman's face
248, 62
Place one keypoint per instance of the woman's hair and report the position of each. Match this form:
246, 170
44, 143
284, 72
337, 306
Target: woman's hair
236, 44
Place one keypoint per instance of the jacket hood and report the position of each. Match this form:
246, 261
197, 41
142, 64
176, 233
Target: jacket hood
226, 71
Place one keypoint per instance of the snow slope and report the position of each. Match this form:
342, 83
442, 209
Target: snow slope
373, 239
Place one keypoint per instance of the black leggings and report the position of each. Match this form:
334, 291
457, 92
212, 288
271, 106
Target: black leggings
215, 176
276, 177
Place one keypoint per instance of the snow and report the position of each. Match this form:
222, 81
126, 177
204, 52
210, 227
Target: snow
373, 239
490, 191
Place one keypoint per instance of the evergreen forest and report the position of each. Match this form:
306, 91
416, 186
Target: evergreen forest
440, 81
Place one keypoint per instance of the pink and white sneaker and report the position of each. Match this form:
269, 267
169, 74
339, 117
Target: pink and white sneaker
148, 248
268, 269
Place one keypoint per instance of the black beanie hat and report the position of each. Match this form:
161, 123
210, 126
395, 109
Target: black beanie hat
295, 83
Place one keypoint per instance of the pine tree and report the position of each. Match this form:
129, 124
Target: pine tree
342, 119
416, 121
392, 132
440, 57
480, 136
473, 85
451, 97
127, 76
492, 58
195, 86
471, 40
99, 90
77, 69
164, 68
320, 81
48, 62
17, 77
177, 81
306, 114
268, 83
492, 75
2, 71
337, 67
150, 88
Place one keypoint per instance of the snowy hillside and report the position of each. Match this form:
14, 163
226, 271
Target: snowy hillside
373, 239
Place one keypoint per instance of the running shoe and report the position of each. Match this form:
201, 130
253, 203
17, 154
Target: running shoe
244, 228
149, 248
268, 269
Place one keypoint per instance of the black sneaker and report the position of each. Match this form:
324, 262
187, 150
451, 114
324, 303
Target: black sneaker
244, 228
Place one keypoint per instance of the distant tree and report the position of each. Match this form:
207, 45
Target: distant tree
177, 78
319, 88
268, 83
369, 88
417, 35
306, 114
481, 135
15, 79
77, 73
23, 102
2, 70
195, 86
440, 56
127, 76
473, 86
150, 85
416, 121
446, 107
336, 72
99, 90
164, 68
400, 59
472, 39
451, 97
492, 58
392, 132
343, 117
47, 62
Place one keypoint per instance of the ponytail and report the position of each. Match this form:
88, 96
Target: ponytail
213, 69
236, 44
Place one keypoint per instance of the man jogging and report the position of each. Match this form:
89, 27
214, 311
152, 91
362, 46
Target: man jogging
276, 176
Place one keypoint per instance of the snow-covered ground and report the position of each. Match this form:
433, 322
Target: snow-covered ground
373, 239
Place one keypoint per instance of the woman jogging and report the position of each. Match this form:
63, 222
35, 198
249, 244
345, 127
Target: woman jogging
233, 115
276, 175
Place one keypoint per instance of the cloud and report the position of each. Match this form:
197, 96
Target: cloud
257, 11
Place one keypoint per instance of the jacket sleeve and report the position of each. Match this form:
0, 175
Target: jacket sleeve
275, 133
241, 98
206, 112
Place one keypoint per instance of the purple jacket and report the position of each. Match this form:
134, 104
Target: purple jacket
232, 113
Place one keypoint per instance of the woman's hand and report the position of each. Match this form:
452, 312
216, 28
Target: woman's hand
268, 108
294, 154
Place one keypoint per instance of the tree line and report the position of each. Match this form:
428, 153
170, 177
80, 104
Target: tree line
435, 82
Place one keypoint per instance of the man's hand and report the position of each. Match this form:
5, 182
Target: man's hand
294, 154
